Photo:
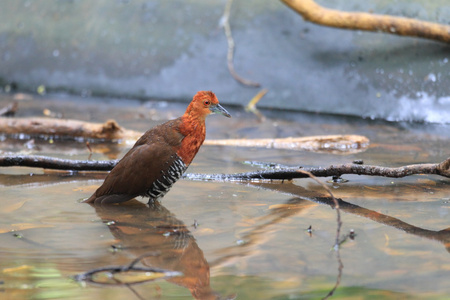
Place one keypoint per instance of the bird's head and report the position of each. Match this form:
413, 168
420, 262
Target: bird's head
205, 103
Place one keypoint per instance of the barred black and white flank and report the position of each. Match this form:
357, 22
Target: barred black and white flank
162, 185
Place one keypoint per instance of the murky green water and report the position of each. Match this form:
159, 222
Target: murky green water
250, 240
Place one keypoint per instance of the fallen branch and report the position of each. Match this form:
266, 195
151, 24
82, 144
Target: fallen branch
65, 128
315, 13
46, 162
337, 144
442, 169
111, 131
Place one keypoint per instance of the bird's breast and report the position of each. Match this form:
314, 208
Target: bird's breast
189, 148
194, 134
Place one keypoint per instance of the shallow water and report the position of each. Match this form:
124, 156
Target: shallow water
230, 238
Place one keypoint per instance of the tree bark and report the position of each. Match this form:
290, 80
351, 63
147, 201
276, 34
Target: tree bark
442, 169
65, 128
369, 22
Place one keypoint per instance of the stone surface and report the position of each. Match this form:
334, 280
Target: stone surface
171, 49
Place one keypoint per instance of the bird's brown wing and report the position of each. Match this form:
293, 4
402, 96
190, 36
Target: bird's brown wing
134, 174
168, 133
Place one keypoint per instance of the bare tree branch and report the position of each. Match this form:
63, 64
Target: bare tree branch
442, 169
46, 162
369, 22
337, 144
65, 128
111, 131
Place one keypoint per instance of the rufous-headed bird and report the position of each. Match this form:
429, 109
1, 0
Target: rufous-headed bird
160, 156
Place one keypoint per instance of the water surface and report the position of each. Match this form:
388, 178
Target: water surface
249, 240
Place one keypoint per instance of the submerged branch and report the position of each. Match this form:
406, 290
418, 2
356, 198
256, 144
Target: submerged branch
315, 13
45, 162
442, 169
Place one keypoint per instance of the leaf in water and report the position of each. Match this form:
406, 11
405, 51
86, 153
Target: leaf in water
373, 188
129, 277
256, 204
394, 252
389, 250
46, 273
13, 207
275, 206
136, 276
427, 181
17, 269
57, 289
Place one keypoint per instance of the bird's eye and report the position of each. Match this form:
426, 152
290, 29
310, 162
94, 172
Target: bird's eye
206, 102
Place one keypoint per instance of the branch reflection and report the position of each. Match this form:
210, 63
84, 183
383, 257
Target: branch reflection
442, 236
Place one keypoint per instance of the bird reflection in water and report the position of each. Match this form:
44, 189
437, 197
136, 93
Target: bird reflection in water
142, 229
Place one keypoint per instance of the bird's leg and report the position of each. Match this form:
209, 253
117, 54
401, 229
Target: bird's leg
154, 203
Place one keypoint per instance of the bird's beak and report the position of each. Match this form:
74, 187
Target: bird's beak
218, 109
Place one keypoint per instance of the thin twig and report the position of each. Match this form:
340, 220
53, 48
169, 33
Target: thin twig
338, 231
230, 54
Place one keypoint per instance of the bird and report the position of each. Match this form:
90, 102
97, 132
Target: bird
160, 156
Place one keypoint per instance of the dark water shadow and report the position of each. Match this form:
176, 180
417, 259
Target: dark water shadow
140, 229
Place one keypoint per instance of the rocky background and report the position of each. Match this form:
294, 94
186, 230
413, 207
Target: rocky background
169, 49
